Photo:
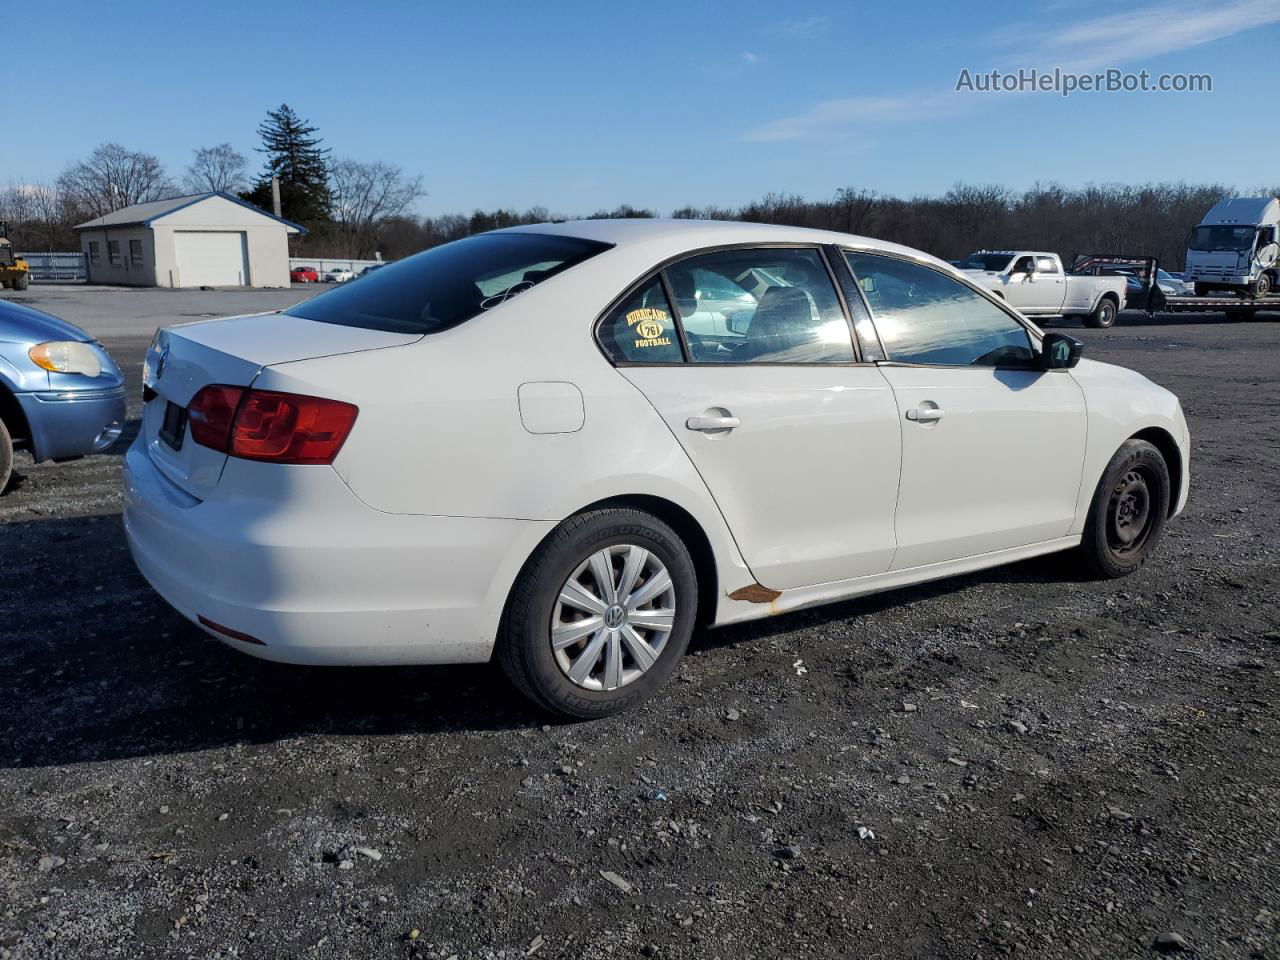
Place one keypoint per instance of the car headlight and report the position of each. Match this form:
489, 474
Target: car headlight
66, 356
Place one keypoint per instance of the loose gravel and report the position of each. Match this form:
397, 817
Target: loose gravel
1017, 763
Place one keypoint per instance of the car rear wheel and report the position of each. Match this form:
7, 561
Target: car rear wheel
1129, 508
601, 614
6, 457
1104, 314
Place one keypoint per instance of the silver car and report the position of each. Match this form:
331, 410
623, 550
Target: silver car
61, 395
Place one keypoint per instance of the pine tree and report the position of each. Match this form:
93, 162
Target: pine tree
295, 155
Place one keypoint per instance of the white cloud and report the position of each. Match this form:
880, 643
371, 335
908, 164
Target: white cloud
1083, 46
1147, 32
836, 117
806, 27
749, 58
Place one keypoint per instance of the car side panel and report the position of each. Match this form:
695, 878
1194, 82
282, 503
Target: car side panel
1120, 403
808, 481
440, 428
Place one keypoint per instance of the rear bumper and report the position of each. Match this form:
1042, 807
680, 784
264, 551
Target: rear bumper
73, 424
297, 562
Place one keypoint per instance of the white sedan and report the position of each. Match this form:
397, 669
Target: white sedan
515, 443
339, 275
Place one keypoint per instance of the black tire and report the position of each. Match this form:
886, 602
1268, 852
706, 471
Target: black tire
1104, 314
1261, 287
524, 645
1119, 536
21, 282
1203, 289
6, 457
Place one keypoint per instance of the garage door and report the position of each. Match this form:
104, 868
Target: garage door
211, 258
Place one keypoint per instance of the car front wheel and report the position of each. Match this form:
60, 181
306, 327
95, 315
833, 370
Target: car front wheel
6, 457
1128, 511
601, 613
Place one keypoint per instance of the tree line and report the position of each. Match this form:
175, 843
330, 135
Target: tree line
1152, 219
354, 208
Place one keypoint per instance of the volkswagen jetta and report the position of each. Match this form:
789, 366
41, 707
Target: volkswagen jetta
570, 444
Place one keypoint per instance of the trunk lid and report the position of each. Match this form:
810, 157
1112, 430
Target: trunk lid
183, 359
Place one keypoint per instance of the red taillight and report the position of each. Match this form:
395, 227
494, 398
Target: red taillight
211, 413
265, 425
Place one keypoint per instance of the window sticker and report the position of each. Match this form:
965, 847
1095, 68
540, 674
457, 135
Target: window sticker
648, 325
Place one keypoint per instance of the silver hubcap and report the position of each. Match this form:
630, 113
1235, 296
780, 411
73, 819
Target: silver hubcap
613, 617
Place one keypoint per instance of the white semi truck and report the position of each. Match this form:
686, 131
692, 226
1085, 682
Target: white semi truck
1235, 248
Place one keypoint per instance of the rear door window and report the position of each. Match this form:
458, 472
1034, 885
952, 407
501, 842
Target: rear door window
766, 305
641, 328
450, 284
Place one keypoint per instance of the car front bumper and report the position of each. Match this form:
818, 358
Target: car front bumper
73, 423
293, 567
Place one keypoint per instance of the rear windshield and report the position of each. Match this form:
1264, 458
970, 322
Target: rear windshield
448, 285
985, 261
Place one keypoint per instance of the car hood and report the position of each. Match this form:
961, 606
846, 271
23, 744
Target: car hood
22, 324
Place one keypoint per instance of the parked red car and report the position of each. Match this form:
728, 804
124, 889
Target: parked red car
304, 275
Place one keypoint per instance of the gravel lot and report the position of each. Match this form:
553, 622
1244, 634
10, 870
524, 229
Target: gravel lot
1011, 763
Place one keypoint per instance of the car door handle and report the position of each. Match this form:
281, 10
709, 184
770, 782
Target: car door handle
712, 424
925, 414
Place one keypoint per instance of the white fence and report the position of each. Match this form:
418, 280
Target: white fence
323, 264
59, 265
70, 265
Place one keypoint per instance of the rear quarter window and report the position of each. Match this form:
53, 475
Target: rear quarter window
450, 284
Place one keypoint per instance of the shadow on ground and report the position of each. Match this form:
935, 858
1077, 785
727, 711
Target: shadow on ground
142, 681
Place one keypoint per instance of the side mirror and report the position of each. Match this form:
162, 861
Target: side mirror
1059, 351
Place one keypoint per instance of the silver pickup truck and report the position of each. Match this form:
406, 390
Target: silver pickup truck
1036, 285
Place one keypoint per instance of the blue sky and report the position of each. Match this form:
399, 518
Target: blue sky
577, 106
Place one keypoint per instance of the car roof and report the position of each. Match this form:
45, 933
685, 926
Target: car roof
688, 235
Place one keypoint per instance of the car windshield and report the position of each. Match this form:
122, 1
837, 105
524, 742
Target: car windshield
448, 285
985, 261
1222, 237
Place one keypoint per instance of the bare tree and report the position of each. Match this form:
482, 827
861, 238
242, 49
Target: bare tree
365, 195
113, 177
39, 217
853, 207
219, 169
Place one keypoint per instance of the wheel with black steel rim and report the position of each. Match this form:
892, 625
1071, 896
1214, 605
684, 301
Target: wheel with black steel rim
1129, 508
601, 613
1104, 314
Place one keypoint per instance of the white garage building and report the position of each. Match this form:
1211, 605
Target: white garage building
204, 240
